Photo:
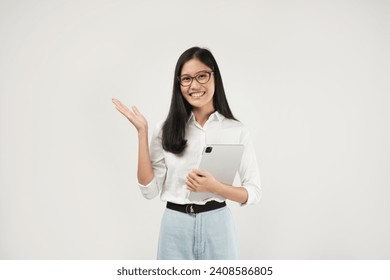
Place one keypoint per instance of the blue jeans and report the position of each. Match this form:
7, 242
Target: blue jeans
205, 236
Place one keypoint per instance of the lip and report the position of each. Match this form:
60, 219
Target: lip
197, 93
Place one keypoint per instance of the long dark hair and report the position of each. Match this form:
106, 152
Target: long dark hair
173, 131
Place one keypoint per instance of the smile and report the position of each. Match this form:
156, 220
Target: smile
197, 94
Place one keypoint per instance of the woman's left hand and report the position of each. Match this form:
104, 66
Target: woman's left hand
201, 181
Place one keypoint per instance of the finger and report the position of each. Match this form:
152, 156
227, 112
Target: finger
189, 184
192, 190
192, 181
122, 108
119, 104
136, 111
125, 111
199, 172
129, 115
193, 177
190, 187
116, 102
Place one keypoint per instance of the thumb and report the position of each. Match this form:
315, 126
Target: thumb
200, 172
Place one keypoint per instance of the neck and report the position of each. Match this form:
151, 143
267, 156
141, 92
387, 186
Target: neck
202, 114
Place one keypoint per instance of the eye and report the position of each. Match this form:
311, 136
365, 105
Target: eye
185, 79
202, 77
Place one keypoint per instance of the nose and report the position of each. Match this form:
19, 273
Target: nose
194, 84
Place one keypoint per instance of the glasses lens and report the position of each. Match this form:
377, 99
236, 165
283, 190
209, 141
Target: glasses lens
185, 80
203, 77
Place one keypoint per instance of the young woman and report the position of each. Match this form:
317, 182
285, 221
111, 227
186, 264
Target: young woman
199, 115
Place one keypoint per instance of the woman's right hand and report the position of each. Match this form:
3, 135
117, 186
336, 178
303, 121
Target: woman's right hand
133, 115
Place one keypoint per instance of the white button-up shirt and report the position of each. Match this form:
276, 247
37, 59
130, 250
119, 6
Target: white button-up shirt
170, 170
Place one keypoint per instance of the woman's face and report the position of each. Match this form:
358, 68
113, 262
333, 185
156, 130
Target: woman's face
198, 94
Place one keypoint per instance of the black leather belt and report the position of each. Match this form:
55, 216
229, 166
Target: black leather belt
193, 209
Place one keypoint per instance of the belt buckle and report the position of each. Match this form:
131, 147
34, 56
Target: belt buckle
191, 211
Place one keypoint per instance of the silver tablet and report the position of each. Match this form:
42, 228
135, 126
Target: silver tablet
222, 161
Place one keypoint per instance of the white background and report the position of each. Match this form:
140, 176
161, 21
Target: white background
310, 79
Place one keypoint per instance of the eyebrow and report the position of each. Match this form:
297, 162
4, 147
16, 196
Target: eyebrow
196, 73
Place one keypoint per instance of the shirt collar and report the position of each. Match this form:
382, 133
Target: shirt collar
216, 116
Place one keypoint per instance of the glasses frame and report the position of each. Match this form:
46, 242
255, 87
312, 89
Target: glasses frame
195, 77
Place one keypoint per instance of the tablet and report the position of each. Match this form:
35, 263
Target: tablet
222, 161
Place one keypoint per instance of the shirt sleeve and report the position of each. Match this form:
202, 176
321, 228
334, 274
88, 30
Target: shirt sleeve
152, 189
249, 171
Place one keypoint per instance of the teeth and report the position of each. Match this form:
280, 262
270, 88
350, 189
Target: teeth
198, 94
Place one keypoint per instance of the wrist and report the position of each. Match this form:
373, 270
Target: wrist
143, 132
217, 188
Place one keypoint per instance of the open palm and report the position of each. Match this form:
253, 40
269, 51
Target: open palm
133, 115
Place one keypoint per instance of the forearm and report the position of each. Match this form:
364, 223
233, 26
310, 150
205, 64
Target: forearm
145, 172
238, 194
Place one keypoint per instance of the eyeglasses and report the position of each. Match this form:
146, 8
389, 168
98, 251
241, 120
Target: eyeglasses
201, 78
